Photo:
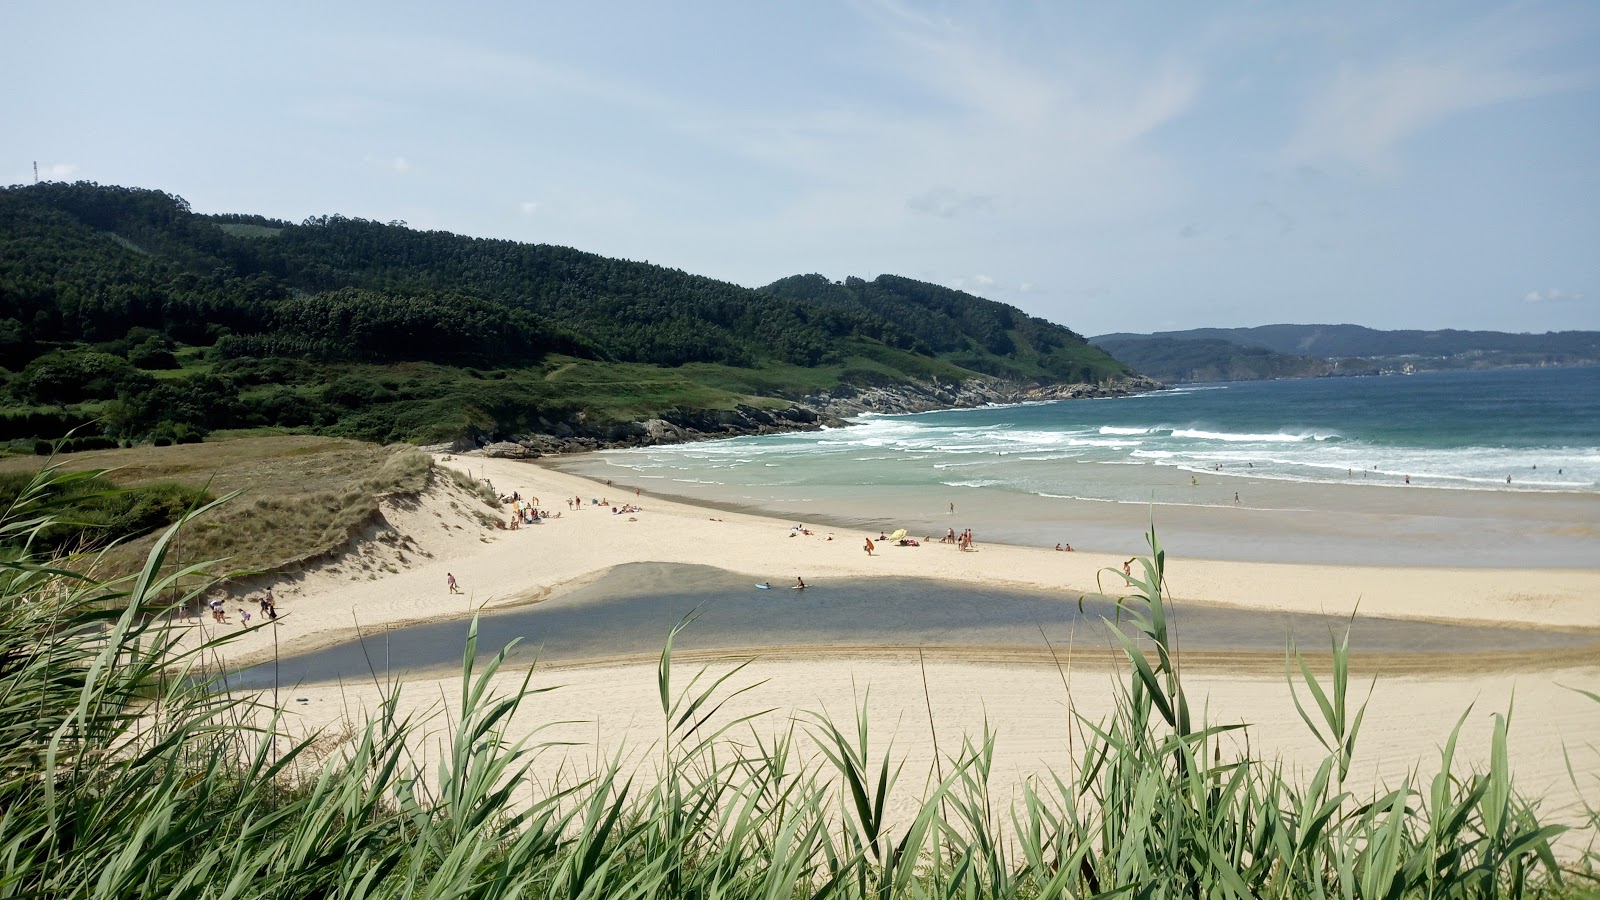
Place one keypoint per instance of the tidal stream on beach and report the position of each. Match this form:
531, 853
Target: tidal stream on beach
629, 611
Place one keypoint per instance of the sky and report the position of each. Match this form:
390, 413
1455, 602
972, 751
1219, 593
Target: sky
1110, 166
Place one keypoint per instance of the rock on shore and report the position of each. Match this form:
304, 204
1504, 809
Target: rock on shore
813, 412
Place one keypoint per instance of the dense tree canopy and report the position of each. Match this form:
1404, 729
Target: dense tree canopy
137, 313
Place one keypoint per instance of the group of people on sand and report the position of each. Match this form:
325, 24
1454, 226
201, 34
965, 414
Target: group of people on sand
1064, 548
524, 512
963, 541
267, 603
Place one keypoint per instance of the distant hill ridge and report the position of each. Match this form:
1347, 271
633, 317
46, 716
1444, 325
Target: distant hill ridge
1331, 341
121, 306
1298, 351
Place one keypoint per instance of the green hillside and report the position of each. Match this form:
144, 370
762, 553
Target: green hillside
125, 314
969, 331
1445, 348
1198, 360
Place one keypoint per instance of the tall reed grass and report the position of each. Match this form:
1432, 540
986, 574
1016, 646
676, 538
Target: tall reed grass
126, 773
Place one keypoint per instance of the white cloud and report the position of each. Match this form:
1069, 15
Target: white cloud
947, 203
58, 171
528, 207
1370, 107
1551, 295
397, 165
984, 118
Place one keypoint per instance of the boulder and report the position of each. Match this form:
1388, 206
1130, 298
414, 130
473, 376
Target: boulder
508, 450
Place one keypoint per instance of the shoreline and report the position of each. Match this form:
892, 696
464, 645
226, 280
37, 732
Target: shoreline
1279, 522
502, 569
607, 706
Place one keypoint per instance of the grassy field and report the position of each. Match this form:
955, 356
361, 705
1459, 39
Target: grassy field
299, 496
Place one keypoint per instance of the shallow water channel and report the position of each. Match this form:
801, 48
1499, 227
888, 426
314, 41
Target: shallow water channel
629, 611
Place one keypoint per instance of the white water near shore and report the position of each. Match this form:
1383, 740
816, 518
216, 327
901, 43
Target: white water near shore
1341, 472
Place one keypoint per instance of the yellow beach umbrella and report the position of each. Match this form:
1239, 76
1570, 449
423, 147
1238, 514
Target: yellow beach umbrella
898, 535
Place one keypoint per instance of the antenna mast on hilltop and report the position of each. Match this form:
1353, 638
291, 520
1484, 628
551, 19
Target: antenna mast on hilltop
36, 171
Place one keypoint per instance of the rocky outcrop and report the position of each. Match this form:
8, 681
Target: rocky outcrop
821, 410
906, 398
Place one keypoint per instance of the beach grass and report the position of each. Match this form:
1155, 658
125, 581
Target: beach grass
300, 497
128, 770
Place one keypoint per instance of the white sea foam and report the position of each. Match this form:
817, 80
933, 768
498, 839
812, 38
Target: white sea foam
1276, 437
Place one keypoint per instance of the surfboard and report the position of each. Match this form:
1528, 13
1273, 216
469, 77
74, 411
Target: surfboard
763, 587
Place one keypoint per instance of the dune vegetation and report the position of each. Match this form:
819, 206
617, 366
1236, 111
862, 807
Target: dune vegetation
300, 498
128, 770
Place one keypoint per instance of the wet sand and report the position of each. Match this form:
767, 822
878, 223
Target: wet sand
627, 613
1376, 523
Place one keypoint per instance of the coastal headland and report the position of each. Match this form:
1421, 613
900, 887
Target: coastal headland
930, 697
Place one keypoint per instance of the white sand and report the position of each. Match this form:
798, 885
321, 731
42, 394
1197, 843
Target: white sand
498, 568
1025, 703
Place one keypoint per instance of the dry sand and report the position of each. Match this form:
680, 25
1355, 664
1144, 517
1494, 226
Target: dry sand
1025, 702
498, 568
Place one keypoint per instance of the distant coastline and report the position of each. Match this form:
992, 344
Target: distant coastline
1205, 355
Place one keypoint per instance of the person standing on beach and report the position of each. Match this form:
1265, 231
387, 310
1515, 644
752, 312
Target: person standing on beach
450, 582
869, 546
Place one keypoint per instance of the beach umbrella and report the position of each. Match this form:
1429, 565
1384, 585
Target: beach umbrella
898, 535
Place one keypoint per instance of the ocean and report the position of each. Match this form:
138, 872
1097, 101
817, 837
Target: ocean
1440, 456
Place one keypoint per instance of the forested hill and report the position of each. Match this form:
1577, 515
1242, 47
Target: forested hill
124, 308
1340, 341
1298, 351
979, 334
1199, 360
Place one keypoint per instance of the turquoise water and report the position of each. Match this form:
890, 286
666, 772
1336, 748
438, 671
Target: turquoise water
1396, 470
1461, 430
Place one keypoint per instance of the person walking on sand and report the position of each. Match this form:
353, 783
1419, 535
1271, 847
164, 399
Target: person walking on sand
1127, 567
450, 582
869, 546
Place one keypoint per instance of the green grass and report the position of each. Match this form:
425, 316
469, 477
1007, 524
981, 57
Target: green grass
118, 779
298, 496
423, 402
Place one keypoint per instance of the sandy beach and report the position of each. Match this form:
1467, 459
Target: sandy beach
496, 568
1021, 696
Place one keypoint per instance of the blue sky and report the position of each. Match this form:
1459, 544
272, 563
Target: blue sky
1130, 166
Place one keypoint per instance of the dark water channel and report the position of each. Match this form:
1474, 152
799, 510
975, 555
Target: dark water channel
629, 611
